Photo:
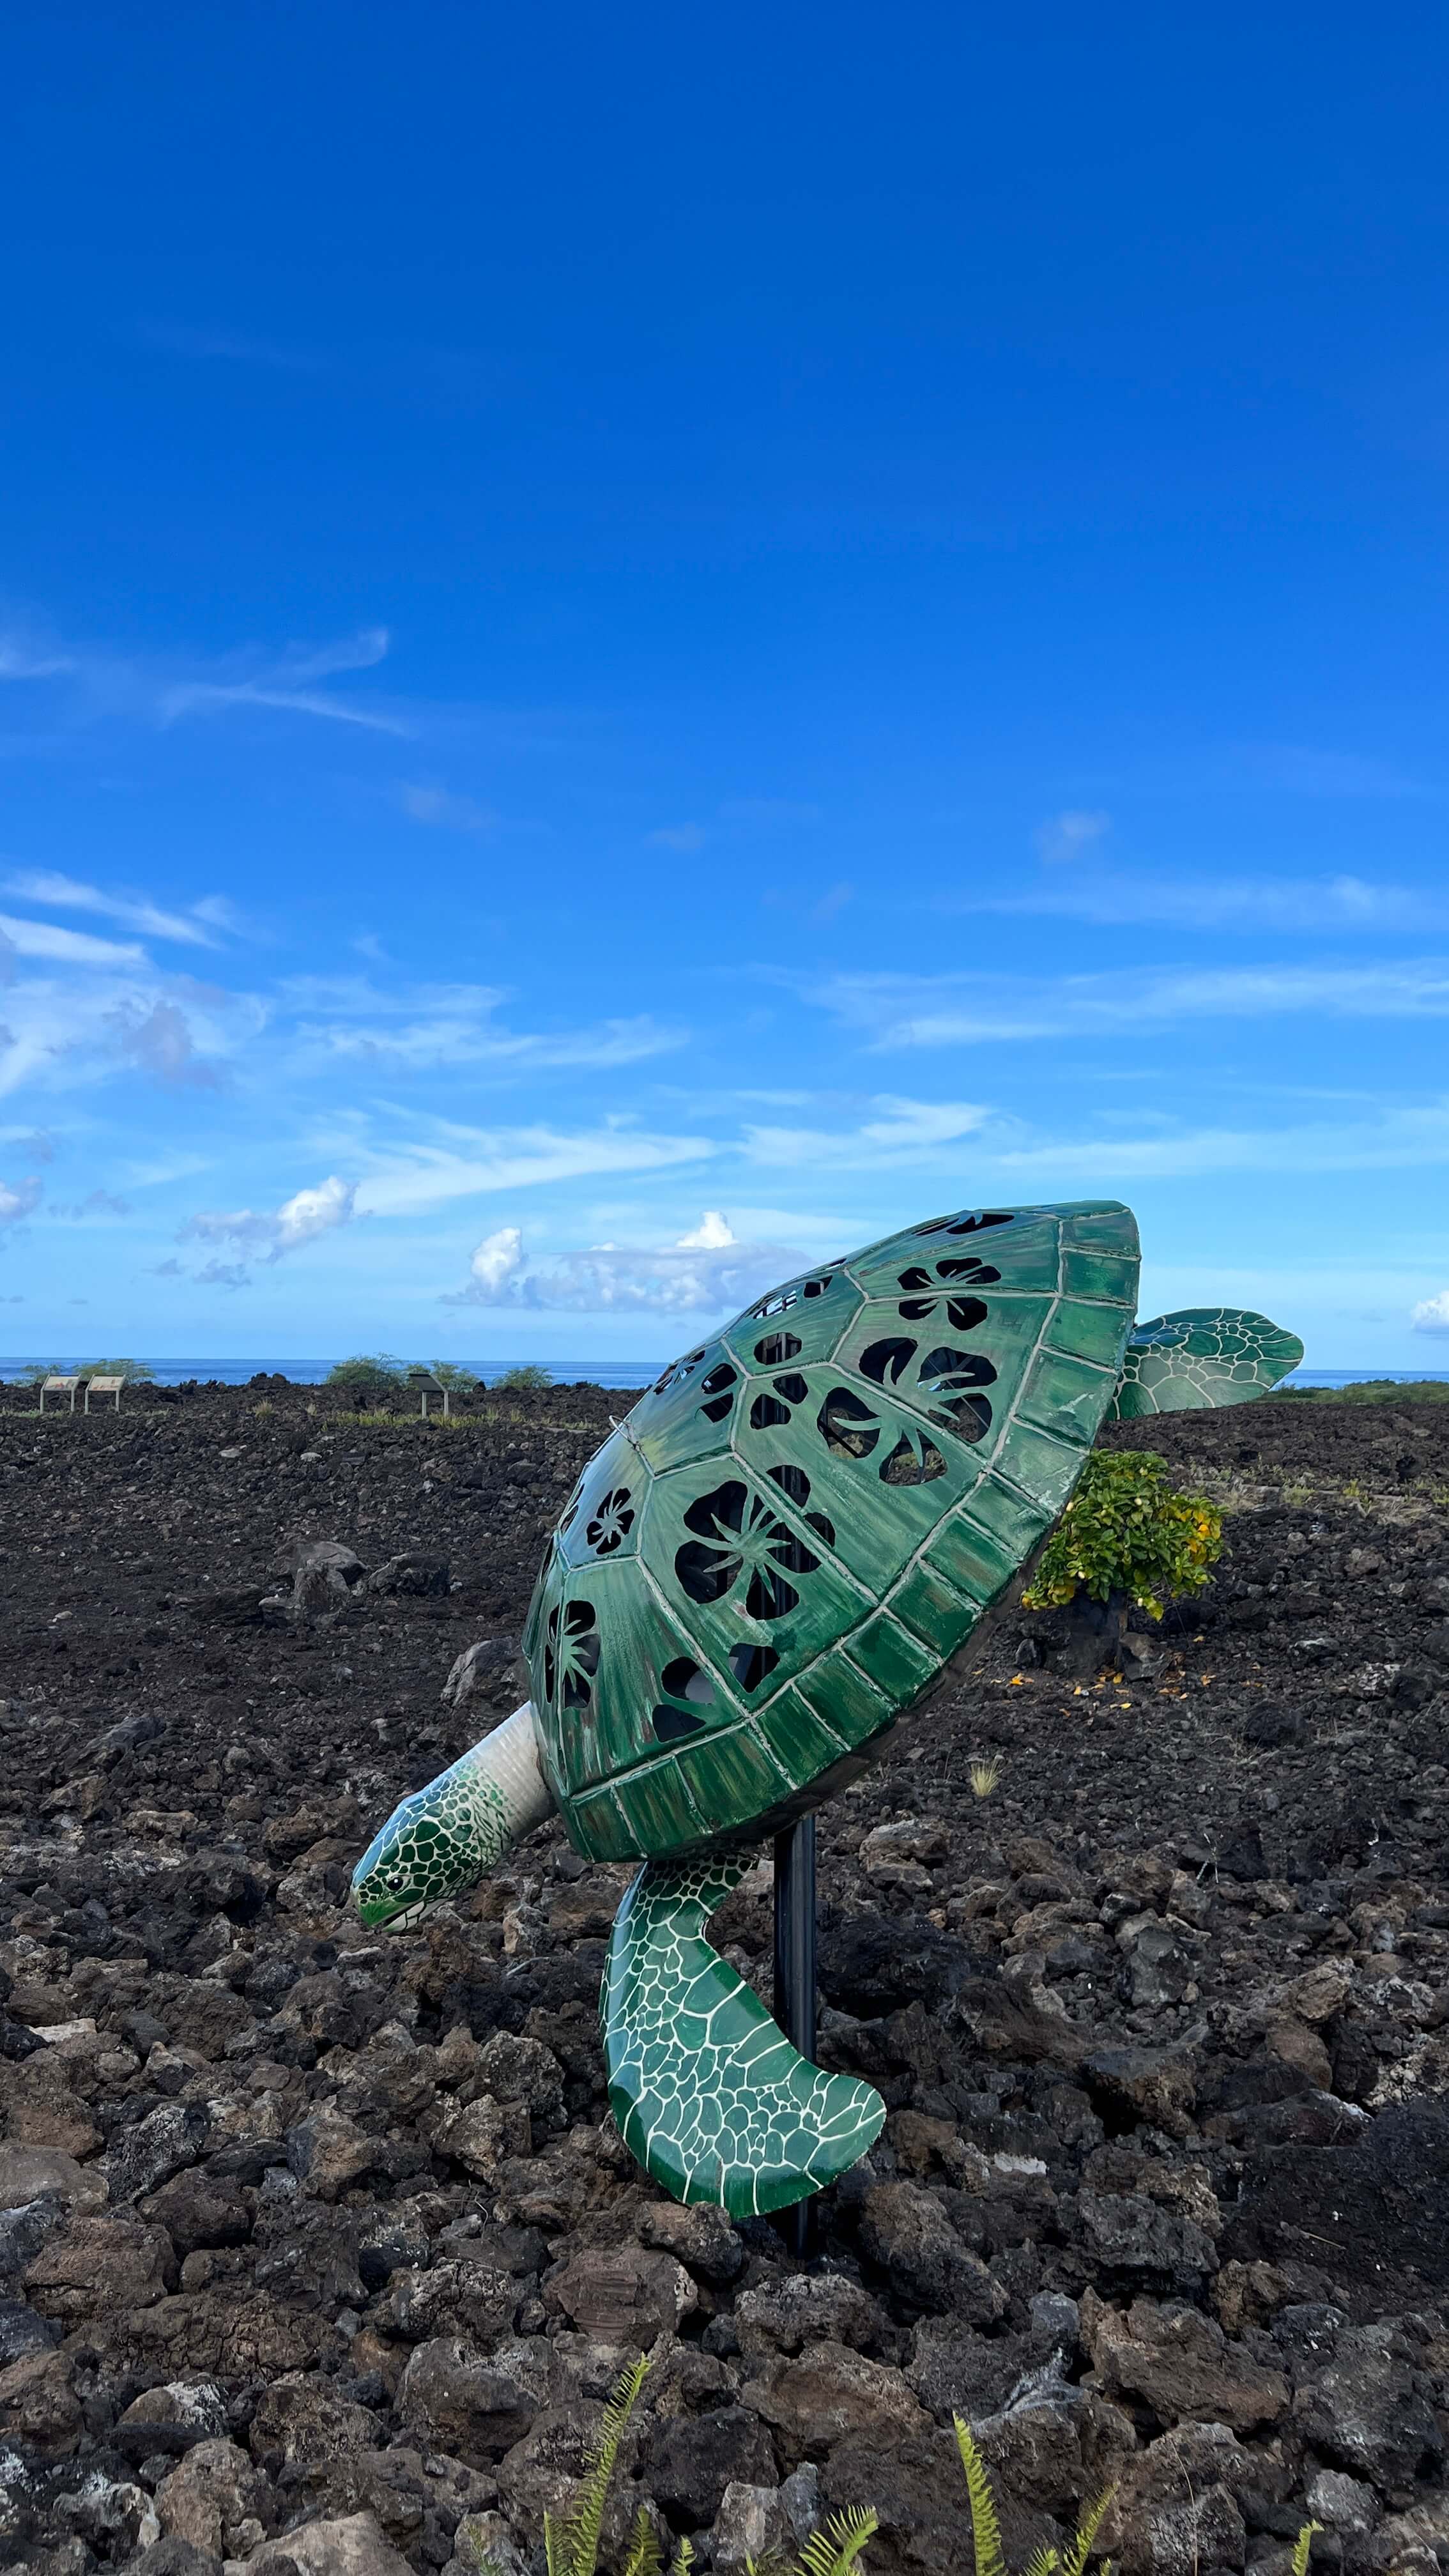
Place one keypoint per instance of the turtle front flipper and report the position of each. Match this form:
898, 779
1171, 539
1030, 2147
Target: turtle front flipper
708, 2093
1199, 1358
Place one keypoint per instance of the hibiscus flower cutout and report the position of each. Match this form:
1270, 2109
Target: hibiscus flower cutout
738, 1539
926, 1294
612, 1522
949, 1384
571, 1654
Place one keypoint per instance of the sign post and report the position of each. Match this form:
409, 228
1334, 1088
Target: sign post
795, 1981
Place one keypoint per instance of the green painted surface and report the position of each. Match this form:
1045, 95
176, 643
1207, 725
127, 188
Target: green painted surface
708, 2093
781, 1548
909, 1421
432, 1846
1201, 1357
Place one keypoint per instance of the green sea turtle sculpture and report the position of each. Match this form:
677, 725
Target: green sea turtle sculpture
782, 1548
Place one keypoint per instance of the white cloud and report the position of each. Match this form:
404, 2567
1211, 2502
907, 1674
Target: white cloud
160, 1041
67, 1031
1216, 903
972, 1010
103, 684
67, 947
901, 1130
712, 1234
478, 1160
446, 811
288, 683
1398, 1139
95, 1203
18, 1200
21, 662
703, 1272
223, 1274
300, 1220
496, 1260
137, 912
683, 838
1066, 835
426, 1026
1431, 1315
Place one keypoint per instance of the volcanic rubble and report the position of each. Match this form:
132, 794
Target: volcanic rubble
319, 2251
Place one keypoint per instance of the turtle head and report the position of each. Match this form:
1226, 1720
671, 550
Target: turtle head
419, 1858
444, 1838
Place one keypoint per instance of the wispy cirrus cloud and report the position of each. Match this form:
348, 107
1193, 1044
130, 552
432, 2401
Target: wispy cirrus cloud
96, 684
1064, 836
445, 809
906, 1011
196, 928
703, 1271
455, 1162
1402, 1136
239, 348
290, 682
67, 947
422, 1026
897, 1131
1305, 769
22, 661
1318, 904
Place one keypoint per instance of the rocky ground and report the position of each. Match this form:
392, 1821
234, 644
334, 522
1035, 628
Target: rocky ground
318, 2251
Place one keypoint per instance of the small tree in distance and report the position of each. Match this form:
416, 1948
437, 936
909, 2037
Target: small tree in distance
368, 1376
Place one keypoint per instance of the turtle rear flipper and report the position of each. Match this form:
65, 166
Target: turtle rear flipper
707, 2091
1199, 1358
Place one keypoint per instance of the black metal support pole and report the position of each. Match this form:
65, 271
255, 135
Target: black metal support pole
795, 1976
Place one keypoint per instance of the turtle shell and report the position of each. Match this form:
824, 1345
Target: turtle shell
805, 1517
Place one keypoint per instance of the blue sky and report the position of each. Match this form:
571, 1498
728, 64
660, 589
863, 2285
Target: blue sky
636, 646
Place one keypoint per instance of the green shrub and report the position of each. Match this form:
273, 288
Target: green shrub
454, 1376
529, 1380
1127, 1530
374, 1373
135, 1372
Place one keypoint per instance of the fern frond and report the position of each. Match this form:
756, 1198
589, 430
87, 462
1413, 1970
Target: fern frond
985, 2528
683, 2559
835, 2550
557, 2556
645, 2558
1043, 2562
578, 2538
1075, 2561
1301, 2547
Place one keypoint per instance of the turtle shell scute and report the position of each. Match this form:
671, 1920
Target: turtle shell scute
802, 1519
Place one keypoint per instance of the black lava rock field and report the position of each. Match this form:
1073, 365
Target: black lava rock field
319, 2253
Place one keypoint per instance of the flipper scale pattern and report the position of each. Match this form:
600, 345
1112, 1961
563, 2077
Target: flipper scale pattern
708, 2093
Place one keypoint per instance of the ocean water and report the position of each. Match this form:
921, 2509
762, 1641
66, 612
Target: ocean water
174, 1372
607, 1373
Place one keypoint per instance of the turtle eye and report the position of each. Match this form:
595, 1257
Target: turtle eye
393, 1881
